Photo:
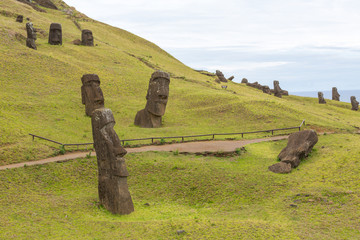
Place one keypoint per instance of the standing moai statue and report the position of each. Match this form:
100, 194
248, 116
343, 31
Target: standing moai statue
277, 89
113, 189
55, 34
157, 97
31, 36
221, 77
335, 94
20, 18
321, 98
354, 103
91, 94
87, 38
244, 80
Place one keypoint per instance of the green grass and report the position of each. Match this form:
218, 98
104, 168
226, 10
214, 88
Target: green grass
208, 197
40, 90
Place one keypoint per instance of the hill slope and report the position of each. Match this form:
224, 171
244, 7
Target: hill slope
40, 89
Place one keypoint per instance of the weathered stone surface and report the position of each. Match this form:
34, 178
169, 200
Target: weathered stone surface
77, 42
20, 18
244, 80
113, 189
220, 75
231, 78
335, 94
277, 89
321, 98
284, 93
47, 4
55, 34
354, 103
87, 38
157, 97
299, 146
266, 89
280, 167
91, 94
31, 36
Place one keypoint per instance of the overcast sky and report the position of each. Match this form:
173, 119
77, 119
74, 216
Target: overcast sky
305, 44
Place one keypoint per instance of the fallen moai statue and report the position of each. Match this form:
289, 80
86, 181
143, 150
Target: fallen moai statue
298, 147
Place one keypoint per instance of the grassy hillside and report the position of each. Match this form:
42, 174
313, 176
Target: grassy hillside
40, 89
207, 197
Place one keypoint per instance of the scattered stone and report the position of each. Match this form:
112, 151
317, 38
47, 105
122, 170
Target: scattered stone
91, 94
55, 34
335, 94
221, 77
87, 38
244, 80
231, 78
113, 189
180, 232
47, 4
31, 36
354, 103
277, 89
266, 89
77, 42
293, 205
321, 98
157, 98
20, 18
280, 167
147, 204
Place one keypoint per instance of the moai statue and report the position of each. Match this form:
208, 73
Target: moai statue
55, 34
354, 103
31, 36
277, 89
87, 38
157, 97
221, 77
321, 98
113, 189
335, 94
91, 94
20, 18
244, 80
231, 78
266, 89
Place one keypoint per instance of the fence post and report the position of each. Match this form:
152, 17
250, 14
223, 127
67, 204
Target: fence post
213, 136
152, 140
123, 142
182, 139
242, 135
272, 132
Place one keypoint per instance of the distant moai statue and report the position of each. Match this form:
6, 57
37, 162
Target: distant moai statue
321, 98
20, 18
244, 80
354, 103
220, 75
231, 78
31, 36
113, 189
55, 34
266, 89
87, 38
335, 94
91, 95
157, 98
277, 89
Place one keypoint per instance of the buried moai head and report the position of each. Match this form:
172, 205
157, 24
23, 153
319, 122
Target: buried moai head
55, 34
221, 76
31, 36
321, 98
87, 38
157, 98
277, 89
20, 18
91, 93
335, 94
354, 103
112, 183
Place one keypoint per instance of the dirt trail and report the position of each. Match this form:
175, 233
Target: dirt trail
190, 147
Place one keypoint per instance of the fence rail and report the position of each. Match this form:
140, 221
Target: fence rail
176, 137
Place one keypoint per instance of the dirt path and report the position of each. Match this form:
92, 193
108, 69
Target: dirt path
190, 147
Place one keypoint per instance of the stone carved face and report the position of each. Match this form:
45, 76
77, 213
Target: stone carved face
87, 38
158, 93
55, 34
91, 93
31, 33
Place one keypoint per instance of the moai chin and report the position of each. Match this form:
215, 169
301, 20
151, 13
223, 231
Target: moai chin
20, 18
87, 38
277, 89
354, 103
157, 98
321, 98
113, 189
31, 36
55, 34
91, 94
335, 94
